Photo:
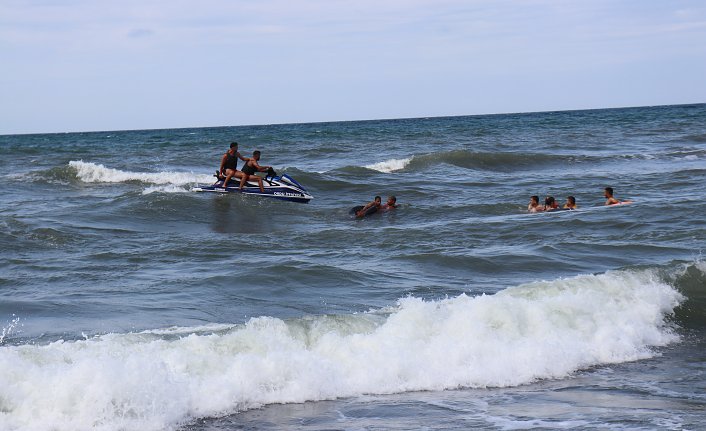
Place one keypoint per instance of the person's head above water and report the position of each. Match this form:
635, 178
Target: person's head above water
571, 200
608, 192
549, 201
378, 199
391, 201
534, 200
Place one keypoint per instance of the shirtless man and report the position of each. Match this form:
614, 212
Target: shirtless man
229, 164
362, 212
250, 167
533, 206
390, 204
608, 194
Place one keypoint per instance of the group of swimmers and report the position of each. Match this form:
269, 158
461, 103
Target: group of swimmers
229, 167
375, 206
550, 203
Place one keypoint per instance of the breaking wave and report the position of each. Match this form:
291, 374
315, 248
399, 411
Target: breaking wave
162, 379
159, 181
95, 173
475, 160
390, 165
512, 161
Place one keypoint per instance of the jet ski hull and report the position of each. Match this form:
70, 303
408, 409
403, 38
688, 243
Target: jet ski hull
283, 188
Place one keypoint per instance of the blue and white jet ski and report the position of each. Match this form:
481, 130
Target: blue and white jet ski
282, 187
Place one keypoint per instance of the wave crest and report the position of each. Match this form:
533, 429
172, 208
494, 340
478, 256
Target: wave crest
96, 173
475, 160
154, 380
390, 165
167, 181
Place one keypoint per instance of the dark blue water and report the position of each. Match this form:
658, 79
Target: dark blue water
129, 301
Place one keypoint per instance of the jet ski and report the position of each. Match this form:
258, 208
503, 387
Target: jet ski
282, 187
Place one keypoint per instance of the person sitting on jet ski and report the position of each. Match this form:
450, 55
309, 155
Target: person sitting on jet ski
251, 166
229, 164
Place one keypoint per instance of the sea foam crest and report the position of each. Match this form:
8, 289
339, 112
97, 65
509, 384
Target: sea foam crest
7, 330
155, 381
96, 173
390, 165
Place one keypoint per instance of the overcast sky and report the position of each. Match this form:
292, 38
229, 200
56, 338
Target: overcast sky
79, 65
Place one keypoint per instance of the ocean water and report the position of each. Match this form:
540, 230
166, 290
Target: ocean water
130, 302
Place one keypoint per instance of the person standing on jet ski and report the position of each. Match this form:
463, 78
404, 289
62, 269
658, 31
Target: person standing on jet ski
229, 164
251, 166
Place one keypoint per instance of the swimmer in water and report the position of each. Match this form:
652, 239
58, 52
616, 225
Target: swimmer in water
570, 203
608, 194
533, 205
368, 208
390, 204
550, 204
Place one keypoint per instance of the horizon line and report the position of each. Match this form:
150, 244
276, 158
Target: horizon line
352, 120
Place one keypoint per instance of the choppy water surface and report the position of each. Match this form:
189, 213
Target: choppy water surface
128, 301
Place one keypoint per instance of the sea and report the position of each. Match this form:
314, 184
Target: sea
129, 301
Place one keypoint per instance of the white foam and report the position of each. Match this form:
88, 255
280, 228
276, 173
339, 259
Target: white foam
390, 165
154, 380
96, 173
170, 188
9, 329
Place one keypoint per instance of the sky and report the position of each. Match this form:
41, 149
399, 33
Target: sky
88, 65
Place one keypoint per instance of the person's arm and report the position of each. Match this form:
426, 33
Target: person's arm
223, 162
361, 213
367, 207
257, 166
245, 159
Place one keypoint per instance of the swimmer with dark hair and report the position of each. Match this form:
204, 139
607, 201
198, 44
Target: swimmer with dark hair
367, 209
608, 194
533, 205
570, 203
390, 204
550, 204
